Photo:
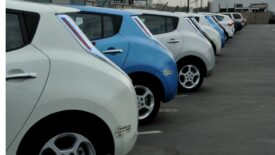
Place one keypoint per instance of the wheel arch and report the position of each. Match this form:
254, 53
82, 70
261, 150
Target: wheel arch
55, 118
214, 47
150, 77
195, 59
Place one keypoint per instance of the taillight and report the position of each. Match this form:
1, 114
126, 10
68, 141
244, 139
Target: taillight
230, 23
141, 25
79, 37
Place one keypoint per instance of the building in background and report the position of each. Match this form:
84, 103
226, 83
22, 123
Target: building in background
242, 6
102, 3
141, 3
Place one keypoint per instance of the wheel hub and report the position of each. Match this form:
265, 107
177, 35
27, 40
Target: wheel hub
146, 101
189, 76
68, 144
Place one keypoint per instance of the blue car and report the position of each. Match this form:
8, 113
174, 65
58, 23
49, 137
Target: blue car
123, 38
238, 25
218, 28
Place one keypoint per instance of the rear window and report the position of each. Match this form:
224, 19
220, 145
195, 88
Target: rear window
108, 29
220, 18
194, 24
80, 36
229, 15
237, 16
160, 24
20, 28
197, 19
97, 26
31, 21
156, 24
171, 24
14, 34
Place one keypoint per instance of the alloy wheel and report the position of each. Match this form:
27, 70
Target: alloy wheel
189, 76
68, 144
146, 101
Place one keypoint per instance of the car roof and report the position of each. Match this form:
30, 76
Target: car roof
104, 10
37, 7
196, 14
164, 13
223, 15
183, 14
191, 14
230, 13
206, 13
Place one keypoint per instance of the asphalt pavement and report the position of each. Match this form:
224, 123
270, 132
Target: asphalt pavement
234, 111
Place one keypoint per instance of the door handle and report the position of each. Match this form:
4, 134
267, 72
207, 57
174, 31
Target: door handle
113, 51
173, 41
21, 76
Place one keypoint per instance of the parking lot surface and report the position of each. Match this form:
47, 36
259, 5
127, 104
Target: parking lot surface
234, 111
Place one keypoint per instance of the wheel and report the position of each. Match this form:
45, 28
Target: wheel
68, 143
148, 100
226, 37
190, 76
63, 139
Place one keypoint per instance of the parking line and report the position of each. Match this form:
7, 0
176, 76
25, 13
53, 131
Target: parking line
273, 29
150, 132
168, 110
181, 95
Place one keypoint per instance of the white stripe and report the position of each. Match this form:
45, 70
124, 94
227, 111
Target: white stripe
181, 95
150, 132
168, 110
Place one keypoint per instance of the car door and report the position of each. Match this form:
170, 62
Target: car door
103, 31
26, 71
165, 30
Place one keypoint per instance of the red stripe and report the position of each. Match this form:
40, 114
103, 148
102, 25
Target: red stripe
76, 33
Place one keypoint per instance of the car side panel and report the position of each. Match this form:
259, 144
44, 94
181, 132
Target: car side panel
23, 93
115, 42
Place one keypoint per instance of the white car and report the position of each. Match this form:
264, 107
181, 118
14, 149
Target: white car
63, 96
239, 21
236, 17
200, 22
228, 32
227, 23
193, 53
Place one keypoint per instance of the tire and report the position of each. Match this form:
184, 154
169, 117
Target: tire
148, 100
64, 136
227, 37
190, 75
